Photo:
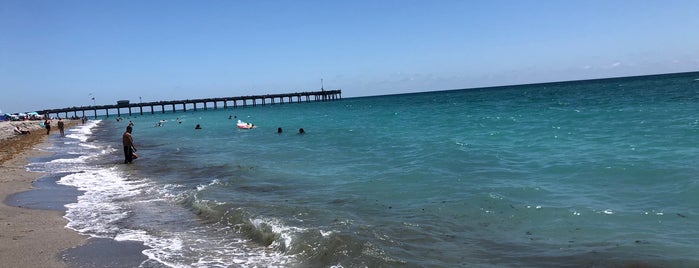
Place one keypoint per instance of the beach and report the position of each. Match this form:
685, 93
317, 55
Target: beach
29, 237
573, 174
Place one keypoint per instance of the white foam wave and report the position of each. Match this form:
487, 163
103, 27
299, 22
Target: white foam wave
176, 249
90, 146
82, 132
84, 155
161, 249
98, 209
110, 197
203, 187
80, 159
286, 233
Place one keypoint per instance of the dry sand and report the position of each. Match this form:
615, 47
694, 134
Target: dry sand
29, 237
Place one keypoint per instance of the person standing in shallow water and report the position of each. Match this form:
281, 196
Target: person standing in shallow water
60, 127
129, 147
47, 125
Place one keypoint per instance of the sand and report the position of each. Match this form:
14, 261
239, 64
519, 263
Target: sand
29, 237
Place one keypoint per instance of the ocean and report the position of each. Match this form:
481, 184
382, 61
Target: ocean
598, 173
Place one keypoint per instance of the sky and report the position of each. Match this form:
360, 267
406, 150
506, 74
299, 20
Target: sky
57, 54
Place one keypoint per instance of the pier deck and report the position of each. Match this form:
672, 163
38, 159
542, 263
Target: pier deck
235, 102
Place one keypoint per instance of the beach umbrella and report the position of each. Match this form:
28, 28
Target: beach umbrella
33, 115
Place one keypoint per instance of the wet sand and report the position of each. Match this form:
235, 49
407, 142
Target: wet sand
33, 232
29, 237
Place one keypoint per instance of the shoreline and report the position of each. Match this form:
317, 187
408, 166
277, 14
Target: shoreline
30, 237
34, 232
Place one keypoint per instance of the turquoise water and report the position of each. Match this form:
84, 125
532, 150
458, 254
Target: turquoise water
593, 173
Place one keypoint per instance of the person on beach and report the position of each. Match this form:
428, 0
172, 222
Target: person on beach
47, 125
129, 148
18, 130
60, 127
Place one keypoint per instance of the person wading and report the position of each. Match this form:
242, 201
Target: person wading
129, 148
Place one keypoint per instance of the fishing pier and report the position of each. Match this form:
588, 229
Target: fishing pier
193, 104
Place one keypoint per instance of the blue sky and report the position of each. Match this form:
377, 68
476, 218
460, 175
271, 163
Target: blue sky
56, 54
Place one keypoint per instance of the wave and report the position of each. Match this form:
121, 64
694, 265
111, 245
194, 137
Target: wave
305, 245
96, 212
82, 132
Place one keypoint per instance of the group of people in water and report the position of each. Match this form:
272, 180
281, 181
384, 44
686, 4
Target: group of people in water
130, 148
280, 131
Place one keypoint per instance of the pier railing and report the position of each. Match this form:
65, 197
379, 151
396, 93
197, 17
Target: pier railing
181, 105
